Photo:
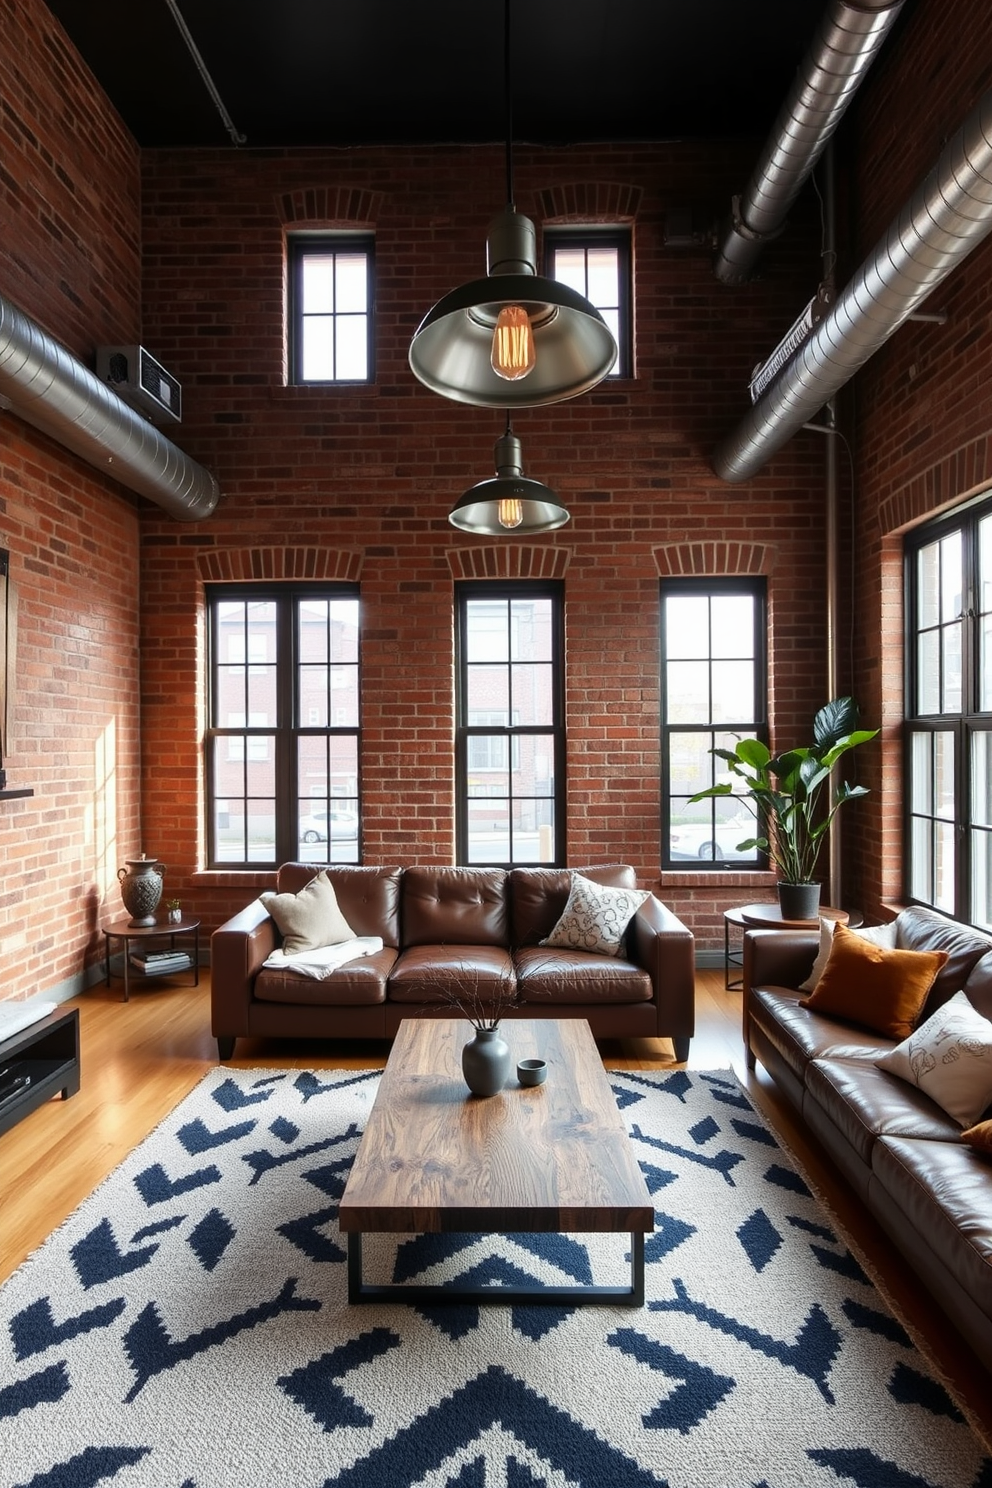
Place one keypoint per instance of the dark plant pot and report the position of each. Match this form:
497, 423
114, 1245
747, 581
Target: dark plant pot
486, 1062
799, 901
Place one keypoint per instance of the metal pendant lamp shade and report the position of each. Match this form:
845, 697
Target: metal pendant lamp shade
452, 350
514, 339
509, 502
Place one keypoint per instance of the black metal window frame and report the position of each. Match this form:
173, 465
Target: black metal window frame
496, 593
326, 245
940, 829
286, 729
619, 238
757, 725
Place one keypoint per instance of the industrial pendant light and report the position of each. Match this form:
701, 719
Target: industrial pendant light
513, 339
510, 502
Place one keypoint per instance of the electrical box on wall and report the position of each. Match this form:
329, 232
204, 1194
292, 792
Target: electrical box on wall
141, 381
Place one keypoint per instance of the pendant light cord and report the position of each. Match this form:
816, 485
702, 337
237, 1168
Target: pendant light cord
508, 99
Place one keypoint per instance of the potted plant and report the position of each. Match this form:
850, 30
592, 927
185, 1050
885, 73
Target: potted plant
784, 792
174, 911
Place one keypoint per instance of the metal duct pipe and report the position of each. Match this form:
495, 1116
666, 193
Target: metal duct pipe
844, 47
947, 217
46, 386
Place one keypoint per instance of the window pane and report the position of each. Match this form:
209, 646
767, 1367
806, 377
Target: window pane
570, 268
603, 277
530, 630
921, 796
687, 698
944, 866
928, 586
533, 832
985, 666
533, 694
318, 350
733, 627
352, 282
352, 348
489, 831
921, 881
951, 646
690, 764
686, 626
486, 632
985, 564
318, 284
981, 879
981, 780
943, 777
928, 673
487, 697
733, 691
950, 577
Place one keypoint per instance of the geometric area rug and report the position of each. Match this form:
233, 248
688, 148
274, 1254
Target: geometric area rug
188, 1326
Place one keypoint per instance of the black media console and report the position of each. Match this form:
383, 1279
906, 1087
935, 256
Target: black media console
36, 1063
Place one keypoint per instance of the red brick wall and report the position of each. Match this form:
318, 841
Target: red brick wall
69, 198
373, 472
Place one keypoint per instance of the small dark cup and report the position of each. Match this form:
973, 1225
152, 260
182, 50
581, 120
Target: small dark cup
532, 1071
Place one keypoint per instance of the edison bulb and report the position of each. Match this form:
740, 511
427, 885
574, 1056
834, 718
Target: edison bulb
513, 344
511, 511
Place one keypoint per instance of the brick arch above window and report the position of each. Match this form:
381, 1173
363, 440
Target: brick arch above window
251, 565
506, 561
964, 473
590, 201
709, 559
329, 206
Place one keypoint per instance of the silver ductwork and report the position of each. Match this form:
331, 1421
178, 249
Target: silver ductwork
46, 386
844, 47
947, 217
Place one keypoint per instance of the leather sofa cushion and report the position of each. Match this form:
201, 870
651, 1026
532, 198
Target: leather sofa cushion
979, 986
801, 1035
537, 896
422, 973
942, 1189
864, 1102
357, 983
454, 906
578, 977
369, 898
920, 929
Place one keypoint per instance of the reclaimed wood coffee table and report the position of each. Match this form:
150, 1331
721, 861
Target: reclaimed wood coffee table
551, 1158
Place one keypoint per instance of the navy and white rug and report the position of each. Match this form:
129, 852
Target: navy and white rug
188, 1326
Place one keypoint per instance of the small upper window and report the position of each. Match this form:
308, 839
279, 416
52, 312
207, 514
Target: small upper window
330, 308
597, 265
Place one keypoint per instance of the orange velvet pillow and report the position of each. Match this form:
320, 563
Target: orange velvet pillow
867, 984
979, 1137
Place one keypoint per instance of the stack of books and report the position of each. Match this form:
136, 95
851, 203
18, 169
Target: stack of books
154, 963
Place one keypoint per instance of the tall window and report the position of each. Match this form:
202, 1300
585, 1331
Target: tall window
713, 694
597, 265
330, 308
510, 743
282, 745
949, 715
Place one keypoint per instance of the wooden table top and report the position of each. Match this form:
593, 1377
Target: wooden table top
554, 1157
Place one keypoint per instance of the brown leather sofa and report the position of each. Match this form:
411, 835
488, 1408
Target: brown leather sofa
931, 1193
485, 922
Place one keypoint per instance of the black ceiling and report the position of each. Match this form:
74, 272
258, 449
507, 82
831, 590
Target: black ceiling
346, 72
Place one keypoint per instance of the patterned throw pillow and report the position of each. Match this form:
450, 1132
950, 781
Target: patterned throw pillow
595, 918
949, 1058
309, 919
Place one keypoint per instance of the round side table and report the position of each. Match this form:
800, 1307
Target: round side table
765, 917
162, 930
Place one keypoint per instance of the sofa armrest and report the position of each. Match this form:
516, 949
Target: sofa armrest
237, 951
779, 958
666, 949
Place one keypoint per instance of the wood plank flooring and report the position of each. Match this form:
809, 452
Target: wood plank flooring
140, 1058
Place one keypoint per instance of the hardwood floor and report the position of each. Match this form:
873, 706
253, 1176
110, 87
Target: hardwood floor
140, 1058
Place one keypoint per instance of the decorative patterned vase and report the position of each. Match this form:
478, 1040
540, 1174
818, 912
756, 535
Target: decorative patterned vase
486, 1062
141, 888
799, 901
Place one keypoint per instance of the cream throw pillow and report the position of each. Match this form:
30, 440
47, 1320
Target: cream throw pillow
880, 935
595, 917
949, 1058
309, 919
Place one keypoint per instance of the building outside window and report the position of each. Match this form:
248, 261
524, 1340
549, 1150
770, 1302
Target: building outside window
282, 746
597, 263
949, 715
713, 669
510, 740
331, 298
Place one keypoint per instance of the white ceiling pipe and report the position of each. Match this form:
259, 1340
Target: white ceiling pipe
45, 385
846, 43
948, 215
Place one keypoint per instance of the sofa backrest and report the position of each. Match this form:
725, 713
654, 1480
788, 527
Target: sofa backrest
920, 929
369, 898
539, 895
454, 906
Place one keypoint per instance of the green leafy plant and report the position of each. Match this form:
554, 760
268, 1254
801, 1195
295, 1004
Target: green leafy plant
173, 904
785, 790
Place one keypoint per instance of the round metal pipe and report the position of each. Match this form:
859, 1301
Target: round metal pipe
846, 43
46, 386
946, 218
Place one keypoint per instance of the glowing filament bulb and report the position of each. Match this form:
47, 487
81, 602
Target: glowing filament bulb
511, 511
513, 344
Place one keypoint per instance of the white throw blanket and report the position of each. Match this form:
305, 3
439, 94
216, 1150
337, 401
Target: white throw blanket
322, 960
